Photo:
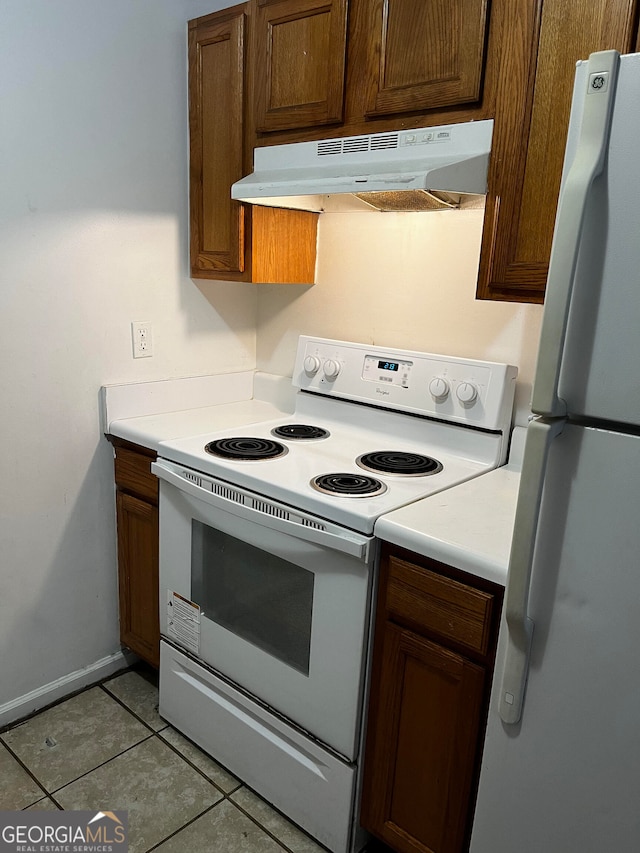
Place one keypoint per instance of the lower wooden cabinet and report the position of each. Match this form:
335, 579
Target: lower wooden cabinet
434, 648
137, 528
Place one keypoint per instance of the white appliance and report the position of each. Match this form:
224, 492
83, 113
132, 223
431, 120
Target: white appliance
268, 560
395, 170
561, 764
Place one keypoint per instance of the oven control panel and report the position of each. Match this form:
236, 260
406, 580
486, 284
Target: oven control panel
462, 390
395, 371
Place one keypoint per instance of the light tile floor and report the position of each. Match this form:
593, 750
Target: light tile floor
107, 748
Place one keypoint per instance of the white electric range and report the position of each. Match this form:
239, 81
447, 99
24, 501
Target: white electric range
268, 560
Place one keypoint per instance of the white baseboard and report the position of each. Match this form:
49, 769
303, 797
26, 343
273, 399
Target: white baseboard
21, 707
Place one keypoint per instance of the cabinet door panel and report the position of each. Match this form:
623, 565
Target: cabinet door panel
216, 95
138, 576
420, 755
532, 117
422, 54
300, 59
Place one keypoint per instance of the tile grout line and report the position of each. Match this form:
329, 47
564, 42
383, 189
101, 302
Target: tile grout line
102, 764
184, 826
26, 769
127, 708
264, 828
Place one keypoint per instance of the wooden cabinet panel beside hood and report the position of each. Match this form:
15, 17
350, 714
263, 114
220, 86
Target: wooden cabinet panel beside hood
226, 241
541, 45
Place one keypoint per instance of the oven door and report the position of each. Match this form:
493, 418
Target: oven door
274, 600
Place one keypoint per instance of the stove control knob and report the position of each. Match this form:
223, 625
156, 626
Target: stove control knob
331, 368
467, 393
439, 388
312, 364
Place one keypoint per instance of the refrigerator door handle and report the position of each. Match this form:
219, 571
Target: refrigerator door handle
588, 163
540, 435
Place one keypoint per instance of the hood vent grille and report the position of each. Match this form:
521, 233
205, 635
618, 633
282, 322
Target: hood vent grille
384, 141
358, 144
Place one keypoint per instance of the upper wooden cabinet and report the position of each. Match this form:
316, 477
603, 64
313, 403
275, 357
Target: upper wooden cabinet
418, 55
216, 133
300, 55
227, 241
401, 56
276, 71
540, 46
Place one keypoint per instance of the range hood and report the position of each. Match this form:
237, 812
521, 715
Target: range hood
421, 169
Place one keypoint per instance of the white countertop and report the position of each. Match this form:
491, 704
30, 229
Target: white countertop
145, 415
469, 526
149, 430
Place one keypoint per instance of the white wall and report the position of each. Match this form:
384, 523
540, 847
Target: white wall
402, 280
93, 235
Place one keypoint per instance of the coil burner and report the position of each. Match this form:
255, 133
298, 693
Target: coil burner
399, 462
246, 449
348, 485
300, 432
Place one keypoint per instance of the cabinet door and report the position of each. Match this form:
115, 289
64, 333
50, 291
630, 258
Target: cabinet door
419, 54
300, 55
216, 134
541, 45
138, 576
422, 744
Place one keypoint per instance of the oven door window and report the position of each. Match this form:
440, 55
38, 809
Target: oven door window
260, 597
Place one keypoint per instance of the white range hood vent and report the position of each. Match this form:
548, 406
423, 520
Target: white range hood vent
423, 169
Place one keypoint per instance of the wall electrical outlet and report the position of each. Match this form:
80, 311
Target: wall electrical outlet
142, 339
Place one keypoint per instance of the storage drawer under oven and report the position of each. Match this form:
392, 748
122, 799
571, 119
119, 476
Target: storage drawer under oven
305, 781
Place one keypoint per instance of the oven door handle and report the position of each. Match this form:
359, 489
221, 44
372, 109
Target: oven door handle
261, 512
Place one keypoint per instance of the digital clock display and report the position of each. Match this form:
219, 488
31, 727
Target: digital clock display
388, 365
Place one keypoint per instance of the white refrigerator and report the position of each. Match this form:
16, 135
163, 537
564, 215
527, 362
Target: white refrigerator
561, 764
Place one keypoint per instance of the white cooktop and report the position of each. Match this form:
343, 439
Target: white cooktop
353, 430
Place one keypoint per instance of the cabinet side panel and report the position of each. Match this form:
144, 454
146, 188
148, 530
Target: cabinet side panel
284, 245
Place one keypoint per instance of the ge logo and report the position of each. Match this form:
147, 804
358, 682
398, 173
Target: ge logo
597, 82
